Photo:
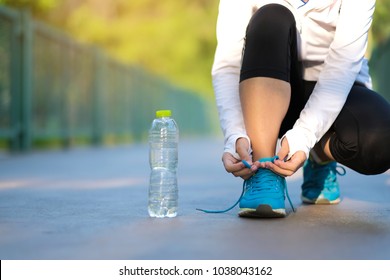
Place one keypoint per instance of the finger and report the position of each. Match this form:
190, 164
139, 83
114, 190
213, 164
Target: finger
276, 169
230, 163
296, 162
286, 165
244, 173
287, 168
246, 159
252, 166
257, 165
234, 167
246, 177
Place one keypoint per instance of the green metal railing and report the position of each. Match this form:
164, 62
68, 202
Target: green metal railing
52, 87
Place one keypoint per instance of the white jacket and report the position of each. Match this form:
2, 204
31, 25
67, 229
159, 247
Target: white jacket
334, 57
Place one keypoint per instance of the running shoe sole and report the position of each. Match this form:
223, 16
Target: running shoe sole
262, 211
320, 200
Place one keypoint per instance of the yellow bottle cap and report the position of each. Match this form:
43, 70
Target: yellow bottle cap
163, 113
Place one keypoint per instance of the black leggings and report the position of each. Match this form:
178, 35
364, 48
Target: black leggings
360, 136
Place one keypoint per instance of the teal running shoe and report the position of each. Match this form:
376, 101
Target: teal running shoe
320, 184
264, 195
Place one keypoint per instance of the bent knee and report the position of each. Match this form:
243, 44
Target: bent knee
368, 154
271, 19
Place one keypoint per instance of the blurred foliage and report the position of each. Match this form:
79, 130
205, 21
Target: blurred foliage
38, 7
172, 38
381, 25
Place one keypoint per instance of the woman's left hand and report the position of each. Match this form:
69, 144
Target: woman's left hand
289, 167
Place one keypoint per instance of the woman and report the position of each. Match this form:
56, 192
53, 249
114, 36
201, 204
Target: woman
292, 89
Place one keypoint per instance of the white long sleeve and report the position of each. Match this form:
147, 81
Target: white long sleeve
340, 70
231, 25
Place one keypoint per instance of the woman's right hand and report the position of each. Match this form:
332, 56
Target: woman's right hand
235, 166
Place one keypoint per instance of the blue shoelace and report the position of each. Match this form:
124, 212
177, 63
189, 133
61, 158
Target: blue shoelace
242, 193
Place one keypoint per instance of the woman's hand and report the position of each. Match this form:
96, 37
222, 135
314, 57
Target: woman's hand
235, 166
289, 167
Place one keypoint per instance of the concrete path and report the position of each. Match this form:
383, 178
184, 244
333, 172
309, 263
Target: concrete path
91, 203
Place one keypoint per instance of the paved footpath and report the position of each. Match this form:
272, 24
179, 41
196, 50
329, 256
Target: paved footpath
90, 203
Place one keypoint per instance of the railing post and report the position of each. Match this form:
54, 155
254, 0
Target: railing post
15, 83
97, 88
26, 86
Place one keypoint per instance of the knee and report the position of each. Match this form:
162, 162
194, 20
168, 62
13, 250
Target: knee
363, 132
271, 19
375, 153
369, 155
374, 136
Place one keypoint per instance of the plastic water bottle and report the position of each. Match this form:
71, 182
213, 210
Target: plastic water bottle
163, 159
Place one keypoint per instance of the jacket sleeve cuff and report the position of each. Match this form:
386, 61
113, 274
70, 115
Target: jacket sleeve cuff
230, 145
299, 140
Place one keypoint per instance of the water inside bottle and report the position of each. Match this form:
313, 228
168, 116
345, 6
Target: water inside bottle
163, 193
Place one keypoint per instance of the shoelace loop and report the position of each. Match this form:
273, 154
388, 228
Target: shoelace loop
343, 171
